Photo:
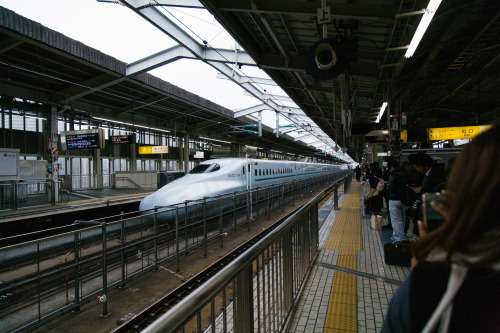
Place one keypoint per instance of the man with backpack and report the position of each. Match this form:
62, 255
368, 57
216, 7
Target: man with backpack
399, 199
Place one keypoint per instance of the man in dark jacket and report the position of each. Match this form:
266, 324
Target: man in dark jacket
433, 173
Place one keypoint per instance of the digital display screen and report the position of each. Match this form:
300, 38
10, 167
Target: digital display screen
82, 141
122, 139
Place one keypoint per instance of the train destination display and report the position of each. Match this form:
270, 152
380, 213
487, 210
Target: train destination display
120, 139
85, 139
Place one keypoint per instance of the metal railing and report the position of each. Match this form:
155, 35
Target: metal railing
257, 291
20, 193
46, 276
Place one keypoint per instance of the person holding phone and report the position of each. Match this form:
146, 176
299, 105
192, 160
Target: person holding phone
433, 173
455, 281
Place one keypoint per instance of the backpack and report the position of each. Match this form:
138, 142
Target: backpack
367, 189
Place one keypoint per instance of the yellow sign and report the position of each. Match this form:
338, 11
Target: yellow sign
404, 135
145, 149
452, 133
153, 149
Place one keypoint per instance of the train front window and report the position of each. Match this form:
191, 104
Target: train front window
204, 168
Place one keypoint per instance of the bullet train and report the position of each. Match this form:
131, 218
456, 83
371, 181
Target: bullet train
222, 176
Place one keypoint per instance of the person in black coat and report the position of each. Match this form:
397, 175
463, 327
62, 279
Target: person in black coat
375, 203
358, 172
433, 173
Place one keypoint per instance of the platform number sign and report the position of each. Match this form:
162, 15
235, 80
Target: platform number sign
324, 15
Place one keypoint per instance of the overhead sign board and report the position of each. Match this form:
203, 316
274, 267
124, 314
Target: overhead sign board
117, 139
453, 133
153, 149
83, 139
145, 149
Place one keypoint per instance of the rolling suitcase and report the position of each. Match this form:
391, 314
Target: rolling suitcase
398, 254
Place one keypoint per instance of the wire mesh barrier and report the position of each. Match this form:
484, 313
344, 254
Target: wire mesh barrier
50, 275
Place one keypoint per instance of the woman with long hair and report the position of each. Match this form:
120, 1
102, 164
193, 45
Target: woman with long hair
455, 283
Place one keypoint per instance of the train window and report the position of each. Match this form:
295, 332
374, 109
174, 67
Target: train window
204, 168
243, 170
260, 172
256, 172
200, 168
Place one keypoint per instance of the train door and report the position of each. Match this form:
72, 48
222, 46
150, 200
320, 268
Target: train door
249, 174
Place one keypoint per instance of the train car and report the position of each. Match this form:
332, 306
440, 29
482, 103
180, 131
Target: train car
221, 176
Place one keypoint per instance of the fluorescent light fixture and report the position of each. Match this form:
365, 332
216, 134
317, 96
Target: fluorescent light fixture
422, 26
132, 125
201, 137
381, 112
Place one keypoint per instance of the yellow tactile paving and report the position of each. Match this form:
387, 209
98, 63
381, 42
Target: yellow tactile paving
346, 237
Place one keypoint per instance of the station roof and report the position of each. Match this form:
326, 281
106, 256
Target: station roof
451, 80
41, 68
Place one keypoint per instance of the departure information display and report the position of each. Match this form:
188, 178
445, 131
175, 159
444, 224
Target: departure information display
82, 141
122, 139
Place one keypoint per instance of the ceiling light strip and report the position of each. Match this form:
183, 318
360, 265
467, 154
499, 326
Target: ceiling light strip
422, 26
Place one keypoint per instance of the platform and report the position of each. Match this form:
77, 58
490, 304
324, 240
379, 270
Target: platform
350, 286
79, 200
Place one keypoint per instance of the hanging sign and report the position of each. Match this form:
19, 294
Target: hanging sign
453, 133
153, 149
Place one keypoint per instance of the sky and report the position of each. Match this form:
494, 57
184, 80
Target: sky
117, 31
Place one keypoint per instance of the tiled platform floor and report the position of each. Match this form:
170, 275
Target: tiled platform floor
350, 286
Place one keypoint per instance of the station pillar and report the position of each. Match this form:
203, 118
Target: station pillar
98, 168
53, 154
186, 153
133, 157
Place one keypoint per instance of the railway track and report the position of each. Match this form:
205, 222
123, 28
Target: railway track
154, 311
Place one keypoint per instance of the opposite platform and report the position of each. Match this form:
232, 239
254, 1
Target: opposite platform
350, 286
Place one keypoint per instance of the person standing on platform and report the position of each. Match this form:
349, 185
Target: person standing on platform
375, 203
358, 172
396, 188
433, 173
455, 282
386, 172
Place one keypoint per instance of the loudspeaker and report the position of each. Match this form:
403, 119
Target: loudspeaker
325, 59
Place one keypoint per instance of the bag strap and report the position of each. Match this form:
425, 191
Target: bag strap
442, 313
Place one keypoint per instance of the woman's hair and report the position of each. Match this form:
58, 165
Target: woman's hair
473, 225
